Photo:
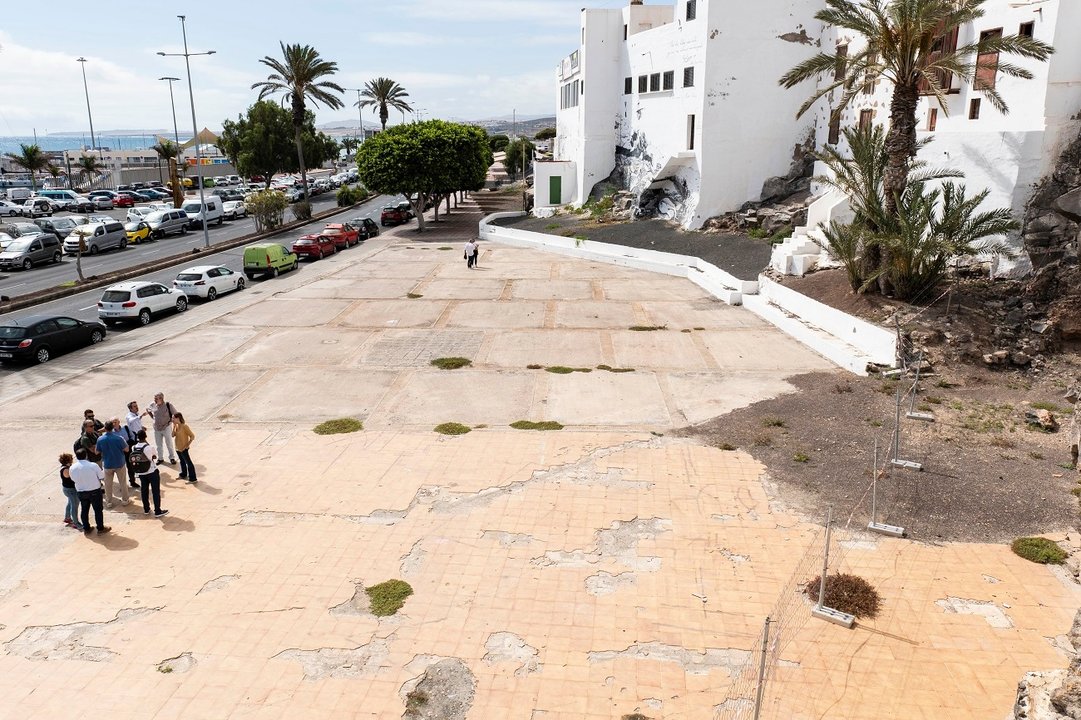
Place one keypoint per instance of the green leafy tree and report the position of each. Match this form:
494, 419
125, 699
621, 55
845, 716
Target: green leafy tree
384, 94
300, 76
268, 209
519, 157
89, 166
545, 134
262, 141
31, 159
423, 160
498, 143
908, 43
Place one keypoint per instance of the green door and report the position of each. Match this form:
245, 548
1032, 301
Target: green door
555, 190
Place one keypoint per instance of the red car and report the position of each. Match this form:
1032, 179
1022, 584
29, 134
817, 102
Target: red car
344, 235
314, 247
123, 200
393, 215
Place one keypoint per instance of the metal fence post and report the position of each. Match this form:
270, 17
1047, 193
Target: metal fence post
762, 671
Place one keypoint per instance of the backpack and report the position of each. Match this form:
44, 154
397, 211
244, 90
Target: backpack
140, 463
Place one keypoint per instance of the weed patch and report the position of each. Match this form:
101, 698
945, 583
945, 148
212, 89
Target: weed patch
647, 328
388, 597
339, 426
564, 370
848, 593
609, 368
532, 425
1050, 407
413, 296
452, 428
451, 363
801, 458
1002, 442
552, 226
1039, 550
772, 422
727, 447
762, 440
841, 388
534, 366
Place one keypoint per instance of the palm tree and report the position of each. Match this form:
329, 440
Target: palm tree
166, 149
349, 144
300, 76
383, 94
55, 172
32, 159
911, 43
90, 166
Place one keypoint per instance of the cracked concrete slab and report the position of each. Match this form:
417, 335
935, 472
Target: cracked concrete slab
995, 616
508, 539
70, 641
182, 663
694, 662
506, 647
218, 583
619, 542
604, 583
445, 691
357, 606
364, 660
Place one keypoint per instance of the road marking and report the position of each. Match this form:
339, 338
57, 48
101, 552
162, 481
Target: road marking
91, 307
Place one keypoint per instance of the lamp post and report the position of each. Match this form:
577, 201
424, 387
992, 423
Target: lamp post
360, 111
89, 115
194, 125
176, 133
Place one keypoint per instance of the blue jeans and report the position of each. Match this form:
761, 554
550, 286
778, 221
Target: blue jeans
71, 512
187, 468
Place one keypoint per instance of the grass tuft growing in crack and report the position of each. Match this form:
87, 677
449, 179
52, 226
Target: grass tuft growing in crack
532, 425
564, 370
452, 428
647, 328
339, 426
387, 598
611, 369
451, 363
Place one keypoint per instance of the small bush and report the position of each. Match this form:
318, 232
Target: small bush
848, 593
413, 296
388, 597
934, 399
647, 328
1039, 550
534, 366
762, 441
451, 363
339, 426
531, 425
1050, 407
347, 196
1035, 455
945, 384
875, 423
757, 233
772, 422
452, 428
1002, 442
801, 458
842, 387
446, 247
302, 210
727, 447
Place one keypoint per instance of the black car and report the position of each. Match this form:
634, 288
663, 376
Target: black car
61, 227
366, 227
37, 338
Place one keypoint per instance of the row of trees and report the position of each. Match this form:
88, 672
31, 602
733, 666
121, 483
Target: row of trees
263, 141
33, 160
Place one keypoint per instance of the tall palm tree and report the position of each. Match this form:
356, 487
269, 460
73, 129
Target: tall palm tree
911, 43
169, 151
300, 76
90, 166
384, 94
32, 159
166, 149
54, 172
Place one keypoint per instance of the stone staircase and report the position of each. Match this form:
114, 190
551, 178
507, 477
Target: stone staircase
805, 250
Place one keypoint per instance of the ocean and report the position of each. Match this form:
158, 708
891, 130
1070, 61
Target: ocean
10, 144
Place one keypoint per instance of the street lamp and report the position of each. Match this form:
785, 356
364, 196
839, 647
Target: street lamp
194, 126
89, 115
360, 110
176, 133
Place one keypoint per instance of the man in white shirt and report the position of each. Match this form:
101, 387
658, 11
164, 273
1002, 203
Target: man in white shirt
133, 423
88, 477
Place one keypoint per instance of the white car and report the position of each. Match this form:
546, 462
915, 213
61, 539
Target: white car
136, 214
9, 208
208, 281
36, 207
102, 202
139, 301
233, 209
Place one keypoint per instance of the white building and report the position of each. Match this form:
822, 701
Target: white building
681, 98
713, 142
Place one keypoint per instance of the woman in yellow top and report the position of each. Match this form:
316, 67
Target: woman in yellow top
184, 437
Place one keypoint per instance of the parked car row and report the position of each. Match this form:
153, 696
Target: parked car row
334, 237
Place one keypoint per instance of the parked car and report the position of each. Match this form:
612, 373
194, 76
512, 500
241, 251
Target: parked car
26, 252
21, 229
38, 338
198, 214
268, 259
167, 222
234, 209
61, 227
136, 214
139, 301
208, 281
102, 202
123, 200
407, 207
97, 237
314, 247
36, 207
9, 208
67, 200
137, 232
343, 234
392, 215
366, 227
154, 193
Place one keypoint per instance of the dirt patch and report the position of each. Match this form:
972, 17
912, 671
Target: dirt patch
987, 477
444, 691
737, 254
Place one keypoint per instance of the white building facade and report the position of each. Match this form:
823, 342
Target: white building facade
711, 144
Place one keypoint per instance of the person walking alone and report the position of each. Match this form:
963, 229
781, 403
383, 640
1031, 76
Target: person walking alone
476, 253
71, 510
162, 411
87, 477
470, 253
113, 449
184, 438
142, 460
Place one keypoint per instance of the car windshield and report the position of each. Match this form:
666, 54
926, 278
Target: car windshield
189, 276
18, 246
12, 332
111, 296
303, 241
191, 208
155, 217
133, 226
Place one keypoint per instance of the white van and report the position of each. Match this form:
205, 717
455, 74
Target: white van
63, 199
211, 212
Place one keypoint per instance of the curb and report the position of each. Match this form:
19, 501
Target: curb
20, 302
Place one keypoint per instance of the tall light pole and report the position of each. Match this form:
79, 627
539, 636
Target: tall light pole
194, 125
360, 110
89, 115
176, 133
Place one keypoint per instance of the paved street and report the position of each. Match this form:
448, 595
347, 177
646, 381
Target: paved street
597, 571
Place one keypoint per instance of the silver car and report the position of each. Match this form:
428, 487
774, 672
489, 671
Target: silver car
167, 222
97, 237
26, 252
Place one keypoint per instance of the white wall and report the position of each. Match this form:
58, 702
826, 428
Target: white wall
543, 171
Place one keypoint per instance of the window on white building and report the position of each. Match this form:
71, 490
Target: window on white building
655, 82
624, 31
690, 132
692, 9
842, 61
932, 119
987, 62
943, 45
1027, 29
688, 77
628, 86
835, 128
643, 83
866, 118
974, 109
669, 80
568, 95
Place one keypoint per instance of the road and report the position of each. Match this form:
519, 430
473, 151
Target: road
84, 305
17, 282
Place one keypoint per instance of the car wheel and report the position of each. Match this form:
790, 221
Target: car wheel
56, 257
182, 304
240, 283
184, 230
250, 276
42, 355
319, 255
96, 337
123, 243
93, 249
155, 235
144, 317
211, 293
220, 220
27, 264
273, 272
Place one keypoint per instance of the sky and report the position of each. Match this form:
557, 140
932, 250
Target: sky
458, 59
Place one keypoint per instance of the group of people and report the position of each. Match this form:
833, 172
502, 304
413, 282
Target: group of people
472, 253
117, 451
